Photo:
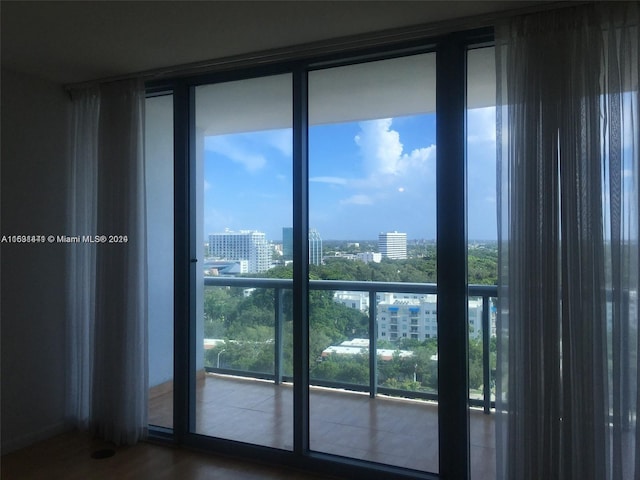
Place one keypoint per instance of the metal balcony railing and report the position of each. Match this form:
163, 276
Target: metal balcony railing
486, 292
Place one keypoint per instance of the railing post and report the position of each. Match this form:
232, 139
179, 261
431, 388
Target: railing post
373, 346
486, 364
279, 326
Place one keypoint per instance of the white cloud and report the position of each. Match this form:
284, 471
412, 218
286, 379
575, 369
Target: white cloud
481, 125
236, 152
207, 185
281, 140
331, 180
384, 161
389, 172
252, 149
417, 162
380, 147
359, 199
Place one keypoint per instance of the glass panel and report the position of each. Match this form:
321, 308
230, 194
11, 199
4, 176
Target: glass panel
408, 345
372, 201
482, 257
159, 190
244, 196
338, 341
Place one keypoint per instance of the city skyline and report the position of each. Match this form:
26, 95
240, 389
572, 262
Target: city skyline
374, 240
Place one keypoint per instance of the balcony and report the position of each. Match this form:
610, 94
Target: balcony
364, 419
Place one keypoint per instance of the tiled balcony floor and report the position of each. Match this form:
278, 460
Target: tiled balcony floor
386, 430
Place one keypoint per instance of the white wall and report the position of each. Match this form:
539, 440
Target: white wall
159, 185
33, 201
199, 253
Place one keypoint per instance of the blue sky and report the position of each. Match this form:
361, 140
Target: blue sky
364, 178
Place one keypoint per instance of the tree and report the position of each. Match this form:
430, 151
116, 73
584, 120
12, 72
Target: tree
247, 322
342, 368
217, 303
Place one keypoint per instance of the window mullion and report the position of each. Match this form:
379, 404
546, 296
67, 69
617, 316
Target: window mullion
184, 269
453, 378
300, 262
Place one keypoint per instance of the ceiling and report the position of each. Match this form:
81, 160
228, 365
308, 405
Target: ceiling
372, 90
75, 41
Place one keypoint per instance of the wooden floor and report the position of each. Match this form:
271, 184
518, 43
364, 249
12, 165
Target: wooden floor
69, 457
386, 430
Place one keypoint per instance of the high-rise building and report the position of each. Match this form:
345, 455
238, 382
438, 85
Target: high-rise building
393, 245
315, 246
355, 300
247, 245
415, 316
287, 243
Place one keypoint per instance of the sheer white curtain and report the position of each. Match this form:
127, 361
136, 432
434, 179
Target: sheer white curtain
107, 285
567, 391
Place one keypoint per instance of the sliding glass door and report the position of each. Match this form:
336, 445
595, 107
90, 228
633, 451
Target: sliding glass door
372, 200
243, 161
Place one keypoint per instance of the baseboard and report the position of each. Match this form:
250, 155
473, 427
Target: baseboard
17, 443
167, 387
161, 389
11, 445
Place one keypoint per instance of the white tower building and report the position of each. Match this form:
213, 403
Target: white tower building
393, 245
247, 245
